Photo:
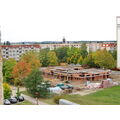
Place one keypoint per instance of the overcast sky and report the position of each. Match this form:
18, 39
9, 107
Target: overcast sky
50, 20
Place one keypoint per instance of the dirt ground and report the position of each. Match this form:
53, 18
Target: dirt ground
115, 75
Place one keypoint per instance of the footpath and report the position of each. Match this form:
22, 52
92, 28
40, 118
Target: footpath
28, 98
33, 100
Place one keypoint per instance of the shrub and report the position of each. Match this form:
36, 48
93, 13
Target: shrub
7, 91
18, 93
57, 98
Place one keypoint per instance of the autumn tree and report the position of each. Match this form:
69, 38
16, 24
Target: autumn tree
32, 58
8, 66
20, 71
104, 59
52, 58
7, 91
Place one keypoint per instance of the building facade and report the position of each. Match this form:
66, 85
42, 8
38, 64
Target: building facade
91, 46
15, 51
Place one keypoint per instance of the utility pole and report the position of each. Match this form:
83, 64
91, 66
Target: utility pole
1, 75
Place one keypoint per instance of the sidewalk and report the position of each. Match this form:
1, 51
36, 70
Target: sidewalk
33, 100
28, 98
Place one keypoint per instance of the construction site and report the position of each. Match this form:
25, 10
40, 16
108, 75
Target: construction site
83, 80
75, 73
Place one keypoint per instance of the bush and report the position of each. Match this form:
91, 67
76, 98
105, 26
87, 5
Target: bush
7, 91
18, 93
57, 98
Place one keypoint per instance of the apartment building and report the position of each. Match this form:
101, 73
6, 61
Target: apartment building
91, 46
15, 51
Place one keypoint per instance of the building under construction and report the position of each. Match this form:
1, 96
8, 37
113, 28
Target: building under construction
75, 73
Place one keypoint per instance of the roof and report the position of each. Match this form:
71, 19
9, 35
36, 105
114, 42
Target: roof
14, 46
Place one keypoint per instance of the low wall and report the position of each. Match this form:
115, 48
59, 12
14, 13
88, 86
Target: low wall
66, 102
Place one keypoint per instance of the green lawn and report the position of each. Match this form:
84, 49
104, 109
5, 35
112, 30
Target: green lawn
46, 100
25, 103
108, 96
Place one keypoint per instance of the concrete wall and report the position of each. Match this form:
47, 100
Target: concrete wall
66, 102
118, 40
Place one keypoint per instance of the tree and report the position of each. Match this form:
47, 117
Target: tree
62, 54
73, 54
32, 58
7, 43
7, 91
89, 61
104, 59
43, 57
1, 74
20, 71
114, 54
80, 60
8, 66
36, 85
83, 50
52, 58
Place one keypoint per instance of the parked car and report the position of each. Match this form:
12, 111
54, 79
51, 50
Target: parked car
20, 98
70, 86
64, 87
13, 100
6, 102
60, 85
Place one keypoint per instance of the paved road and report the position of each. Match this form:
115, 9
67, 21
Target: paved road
28, 98
33, 100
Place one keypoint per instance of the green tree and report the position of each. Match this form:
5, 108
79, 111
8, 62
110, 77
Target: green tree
80, 60
7, 91
52, 58
83, 50
62, 54
114, 54
73, 54
104, 59
89, 61
43, 57
36, 85
8, 66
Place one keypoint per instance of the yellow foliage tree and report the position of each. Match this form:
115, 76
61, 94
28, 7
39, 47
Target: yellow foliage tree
31, 58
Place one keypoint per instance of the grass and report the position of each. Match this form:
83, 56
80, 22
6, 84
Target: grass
25, 103
46, 100
108, 96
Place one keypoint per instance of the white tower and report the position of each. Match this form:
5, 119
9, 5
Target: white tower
118, 40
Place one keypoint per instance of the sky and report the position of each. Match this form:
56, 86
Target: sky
50, 20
